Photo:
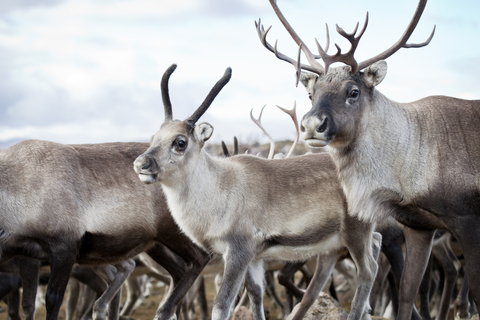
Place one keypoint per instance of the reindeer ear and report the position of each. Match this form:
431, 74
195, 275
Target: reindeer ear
375, 73
203, 131
308, 79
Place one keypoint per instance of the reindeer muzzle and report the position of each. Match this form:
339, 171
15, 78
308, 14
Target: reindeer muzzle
146, 168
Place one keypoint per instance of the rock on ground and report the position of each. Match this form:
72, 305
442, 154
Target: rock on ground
324, 308
243, 313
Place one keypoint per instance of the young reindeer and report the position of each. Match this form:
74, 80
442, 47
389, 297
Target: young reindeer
250, 209
418, 162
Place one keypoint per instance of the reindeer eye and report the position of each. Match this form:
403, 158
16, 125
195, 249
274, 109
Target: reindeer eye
353, 94
180, 144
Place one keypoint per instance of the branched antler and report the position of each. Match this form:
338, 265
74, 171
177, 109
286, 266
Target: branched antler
262, 35
347, 58
258, 122
293, 114
402, 43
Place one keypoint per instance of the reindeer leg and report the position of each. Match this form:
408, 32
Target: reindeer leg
133, 293
392, 248
364, 247
28, 271
72, 299
393, 290
442, 251
325, 264
196, 292
380, 281
424, 291
466, 233
254, 282
13, 301
461, 303
88, 297
110, 298
418, 245
61, 263
236, 265
183, 272
285, 276
270, 287
90, 278
202, 300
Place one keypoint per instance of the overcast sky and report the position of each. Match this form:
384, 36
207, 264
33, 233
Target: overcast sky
89, 71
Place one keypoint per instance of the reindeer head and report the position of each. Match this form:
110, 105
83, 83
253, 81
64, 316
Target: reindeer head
176, 141
339, 95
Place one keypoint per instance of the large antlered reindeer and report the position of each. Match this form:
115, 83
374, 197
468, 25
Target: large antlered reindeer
418, 161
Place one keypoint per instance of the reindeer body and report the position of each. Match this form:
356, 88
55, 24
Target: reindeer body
43, 181
84, 203
288, 227
424, 154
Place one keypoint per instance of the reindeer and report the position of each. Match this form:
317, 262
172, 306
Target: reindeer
417, 162
392, 238
84, 204
250, 209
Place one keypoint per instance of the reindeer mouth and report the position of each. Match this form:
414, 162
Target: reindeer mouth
317, 143
148, 178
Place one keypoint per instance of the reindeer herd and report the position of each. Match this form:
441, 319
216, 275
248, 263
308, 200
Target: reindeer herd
392, 171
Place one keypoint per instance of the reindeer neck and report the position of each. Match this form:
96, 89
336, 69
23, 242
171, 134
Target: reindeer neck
384, 152
192, 198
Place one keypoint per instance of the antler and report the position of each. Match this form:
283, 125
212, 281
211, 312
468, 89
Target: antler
259, 124
235, 148
402, 43
225, 149
210, 97
317, 68
293, 114
347, 58
167, 104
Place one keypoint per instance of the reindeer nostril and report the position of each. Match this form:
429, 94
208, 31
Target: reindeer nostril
323, 126
302, 128
147, 165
